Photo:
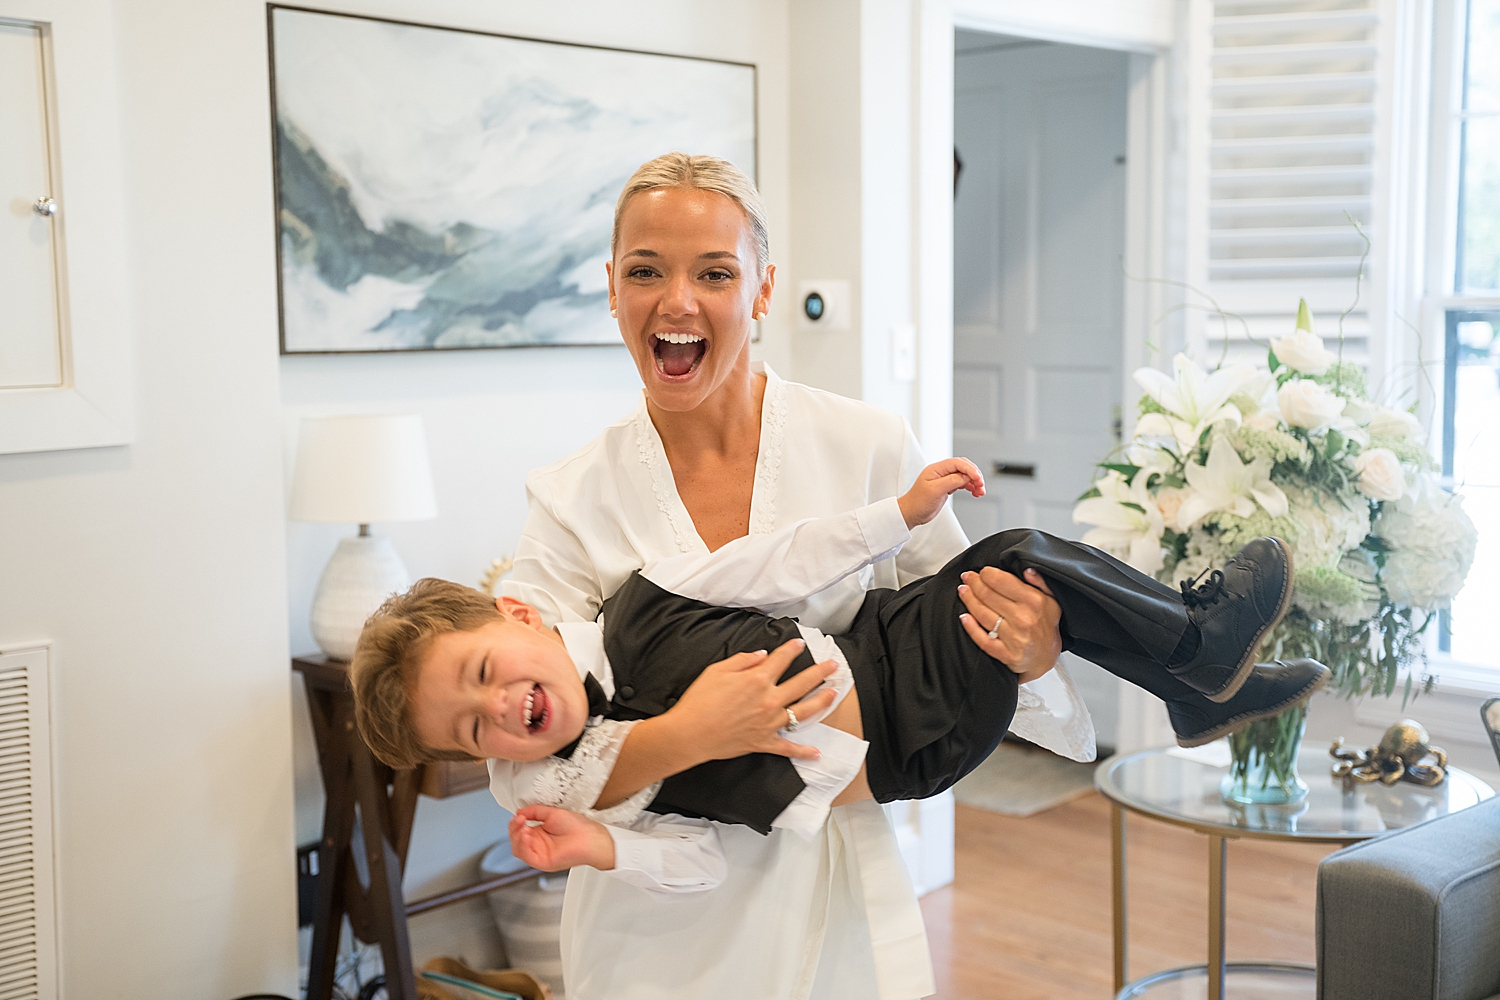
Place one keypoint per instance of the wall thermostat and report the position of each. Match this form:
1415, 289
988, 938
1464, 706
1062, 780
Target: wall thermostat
813, 306
823, 304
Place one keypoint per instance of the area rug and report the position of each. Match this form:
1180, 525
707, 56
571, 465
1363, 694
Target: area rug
1021, 780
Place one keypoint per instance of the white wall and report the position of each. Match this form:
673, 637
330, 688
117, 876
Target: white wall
158, 568
165, 571
493, 415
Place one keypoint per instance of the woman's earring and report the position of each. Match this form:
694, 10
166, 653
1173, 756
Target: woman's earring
614, 312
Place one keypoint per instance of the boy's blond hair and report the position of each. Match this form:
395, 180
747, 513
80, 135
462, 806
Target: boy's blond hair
705, 173
390, 649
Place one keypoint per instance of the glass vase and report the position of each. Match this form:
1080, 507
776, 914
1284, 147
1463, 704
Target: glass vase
1263, 767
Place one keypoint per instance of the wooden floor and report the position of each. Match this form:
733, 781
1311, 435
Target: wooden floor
1028, 914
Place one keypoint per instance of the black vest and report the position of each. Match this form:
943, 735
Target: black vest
658, 643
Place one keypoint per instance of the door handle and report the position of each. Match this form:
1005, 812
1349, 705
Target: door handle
1017, 469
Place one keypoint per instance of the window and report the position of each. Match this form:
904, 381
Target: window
1470, 632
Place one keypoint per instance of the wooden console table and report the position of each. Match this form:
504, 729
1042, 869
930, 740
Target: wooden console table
369, 894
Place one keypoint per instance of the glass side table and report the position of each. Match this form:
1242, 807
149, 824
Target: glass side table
1180, 788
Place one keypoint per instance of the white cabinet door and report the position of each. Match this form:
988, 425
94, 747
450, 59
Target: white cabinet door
30, 338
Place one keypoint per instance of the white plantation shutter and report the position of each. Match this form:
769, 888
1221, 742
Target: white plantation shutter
27, 911
1292, 157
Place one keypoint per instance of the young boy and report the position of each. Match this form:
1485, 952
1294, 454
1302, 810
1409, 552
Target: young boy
444, 672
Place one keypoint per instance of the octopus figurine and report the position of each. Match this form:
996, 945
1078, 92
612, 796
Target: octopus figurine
1404, 754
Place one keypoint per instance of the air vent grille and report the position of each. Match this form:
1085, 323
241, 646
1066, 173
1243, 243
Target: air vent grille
27, 924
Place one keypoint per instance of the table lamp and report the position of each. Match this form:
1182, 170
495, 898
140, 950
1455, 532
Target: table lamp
359, 470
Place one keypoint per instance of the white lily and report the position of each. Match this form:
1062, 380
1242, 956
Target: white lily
1194, 401
1129, 524
1225, 483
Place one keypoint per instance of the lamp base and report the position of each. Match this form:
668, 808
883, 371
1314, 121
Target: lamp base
363, 572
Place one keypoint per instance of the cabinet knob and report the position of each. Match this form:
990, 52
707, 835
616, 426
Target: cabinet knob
45, 207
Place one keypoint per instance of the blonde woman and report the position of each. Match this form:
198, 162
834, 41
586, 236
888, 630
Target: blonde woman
720, 448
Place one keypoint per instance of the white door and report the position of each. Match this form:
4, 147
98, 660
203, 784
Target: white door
30, 345
1038, 233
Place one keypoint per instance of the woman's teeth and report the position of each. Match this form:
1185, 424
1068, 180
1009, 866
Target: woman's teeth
677, 354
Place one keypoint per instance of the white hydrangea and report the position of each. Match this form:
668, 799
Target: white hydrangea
1205, 551
1329, 528
1432, 545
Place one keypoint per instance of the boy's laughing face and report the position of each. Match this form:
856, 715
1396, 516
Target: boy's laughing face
507, 690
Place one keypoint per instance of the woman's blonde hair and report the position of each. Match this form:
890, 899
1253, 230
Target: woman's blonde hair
706, 173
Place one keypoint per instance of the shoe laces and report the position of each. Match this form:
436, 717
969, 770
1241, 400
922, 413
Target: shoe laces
1197, 595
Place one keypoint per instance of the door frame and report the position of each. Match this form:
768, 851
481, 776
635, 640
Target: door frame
1150, 231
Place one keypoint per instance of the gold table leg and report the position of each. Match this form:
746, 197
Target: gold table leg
1218, 855
1117, 863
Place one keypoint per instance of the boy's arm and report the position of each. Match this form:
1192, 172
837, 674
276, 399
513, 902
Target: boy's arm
767, 571
669, 855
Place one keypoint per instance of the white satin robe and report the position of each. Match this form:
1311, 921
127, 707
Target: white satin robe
833, 917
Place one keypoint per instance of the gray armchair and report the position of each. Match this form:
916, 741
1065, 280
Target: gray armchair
1415, 915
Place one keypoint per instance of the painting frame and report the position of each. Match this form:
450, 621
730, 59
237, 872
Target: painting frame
288, 346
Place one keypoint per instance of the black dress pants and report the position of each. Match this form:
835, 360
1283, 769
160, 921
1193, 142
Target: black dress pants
934, 705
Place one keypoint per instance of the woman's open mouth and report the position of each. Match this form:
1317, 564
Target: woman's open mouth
678, 354
536, 713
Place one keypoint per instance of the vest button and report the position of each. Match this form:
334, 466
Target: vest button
671, 701
627, 691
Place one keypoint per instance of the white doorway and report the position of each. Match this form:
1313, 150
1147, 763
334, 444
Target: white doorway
1039, 230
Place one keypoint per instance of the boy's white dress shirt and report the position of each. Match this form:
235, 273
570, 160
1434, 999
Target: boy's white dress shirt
767, 573
832, 917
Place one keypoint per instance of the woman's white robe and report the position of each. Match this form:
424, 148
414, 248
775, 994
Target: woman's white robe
833, 917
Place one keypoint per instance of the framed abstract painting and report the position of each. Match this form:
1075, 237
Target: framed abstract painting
439, 189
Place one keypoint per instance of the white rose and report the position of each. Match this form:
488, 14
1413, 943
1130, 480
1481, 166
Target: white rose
1395, 425
1264, 420
1360, 411
1380, 475
1303, 352
1305, 403
1169, 502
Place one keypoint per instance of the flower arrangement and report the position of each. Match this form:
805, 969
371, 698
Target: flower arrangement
1295, 450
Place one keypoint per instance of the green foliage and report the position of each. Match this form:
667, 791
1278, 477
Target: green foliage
1326, 585
1366, 658
1267, 750
1281, 448
1148, 405
1235, 531
1345, 378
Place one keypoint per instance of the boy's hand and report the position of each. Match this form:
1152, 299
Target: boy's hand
563, 840
935, 484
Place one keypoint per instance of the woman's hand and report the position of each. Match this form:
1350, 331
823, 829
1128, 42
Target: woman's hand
1027, 640
562, 839
935, 484
736, 707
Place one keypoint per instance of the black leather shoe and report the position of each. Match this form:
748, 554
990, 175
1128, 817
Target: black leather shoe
1233, 610
1268, 689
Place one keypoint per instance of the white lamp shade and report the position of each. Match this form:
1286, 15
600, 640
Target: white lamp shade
362, 470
